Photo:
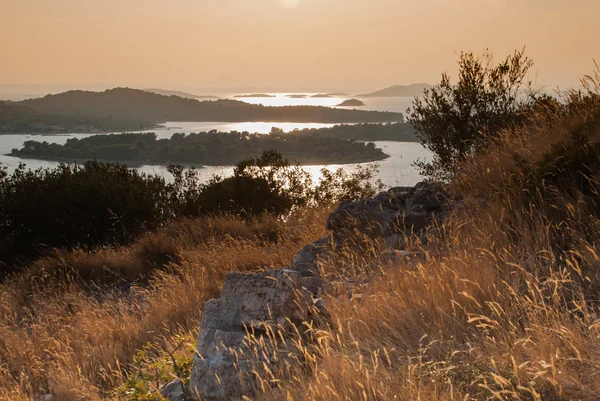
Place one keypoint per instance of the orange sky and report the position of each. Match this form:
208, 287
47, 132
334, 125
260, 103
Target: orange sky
354, 44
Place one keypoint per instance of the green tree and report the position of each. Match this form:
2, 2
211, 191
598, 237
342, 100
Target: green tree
455, 120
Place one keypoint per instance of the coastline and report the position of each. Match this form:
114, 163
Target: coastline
138, 163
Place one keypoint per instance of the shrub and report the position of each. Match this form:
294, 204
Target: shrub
269, 184
454, 120
87, 205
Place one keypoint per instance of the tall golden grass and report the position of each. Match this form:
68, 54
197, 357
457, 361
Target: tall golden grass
71, 324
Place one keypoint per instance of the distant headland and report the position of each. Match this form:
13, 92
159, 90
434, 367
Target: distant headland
400, 91
184, 95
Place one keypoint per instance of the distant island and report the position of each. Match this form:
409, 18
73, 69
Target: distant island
398, 132
351, 103
297, 96
184, 95
124, 109
254, 95
400, 91
328, 95
206, 148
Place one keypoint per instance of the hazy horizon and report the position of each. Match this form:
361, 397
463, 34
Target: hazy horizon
285, 45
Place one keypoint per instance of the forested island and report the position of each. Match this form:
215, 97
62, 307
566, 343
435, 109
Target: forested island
124, 109
205, 148
398, 132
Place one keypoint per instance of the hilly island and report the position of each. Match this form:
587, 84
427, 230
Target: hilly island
123, 109
205, 148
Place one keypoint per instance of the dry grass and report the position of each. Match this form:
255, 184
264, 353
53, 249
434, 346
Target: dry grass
483, 318
71, 324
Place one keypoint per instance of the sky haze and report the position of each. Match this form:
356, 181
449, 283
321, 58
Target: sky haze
333, 44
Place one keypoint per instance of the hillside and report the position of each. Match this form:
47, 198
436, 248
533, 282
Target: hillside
136, 105
399, 91
18, 118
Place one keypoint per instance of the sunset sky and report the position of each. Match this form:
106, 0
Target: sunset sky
343, 44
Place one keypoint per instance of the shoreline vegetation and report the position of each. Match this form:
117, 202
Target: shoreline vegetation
125, 109
205, 148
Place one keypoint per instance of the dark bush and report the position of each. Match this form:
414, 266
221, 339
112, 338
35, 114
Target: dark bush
87, 205
269, 184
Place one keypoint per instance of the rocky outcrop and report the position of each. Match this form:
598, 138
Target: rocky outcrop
247, 333
398, 212
241, 332
306, 262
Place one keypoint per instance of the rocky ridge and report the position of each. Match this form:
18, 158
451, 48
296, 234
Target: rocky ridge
243, 334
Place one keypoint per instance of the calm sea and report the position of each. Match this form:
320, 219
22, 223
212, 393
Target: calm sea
394, 171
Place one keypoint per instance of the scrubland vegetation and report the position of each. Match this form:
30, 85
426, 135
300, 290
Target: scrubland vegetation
108, 204
503, 305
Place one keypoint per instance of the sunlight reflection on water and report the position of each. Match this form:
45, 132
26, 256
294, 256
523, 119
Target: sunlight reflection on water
394, 104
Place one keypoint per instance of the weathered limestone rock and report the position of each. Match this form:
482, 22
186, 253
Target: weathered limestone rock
400, 210
369, 216
237, 337
306, 261
173, 391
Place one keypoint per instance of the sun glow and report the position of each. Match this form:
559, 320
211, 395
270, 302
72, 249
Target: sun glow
290, 3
